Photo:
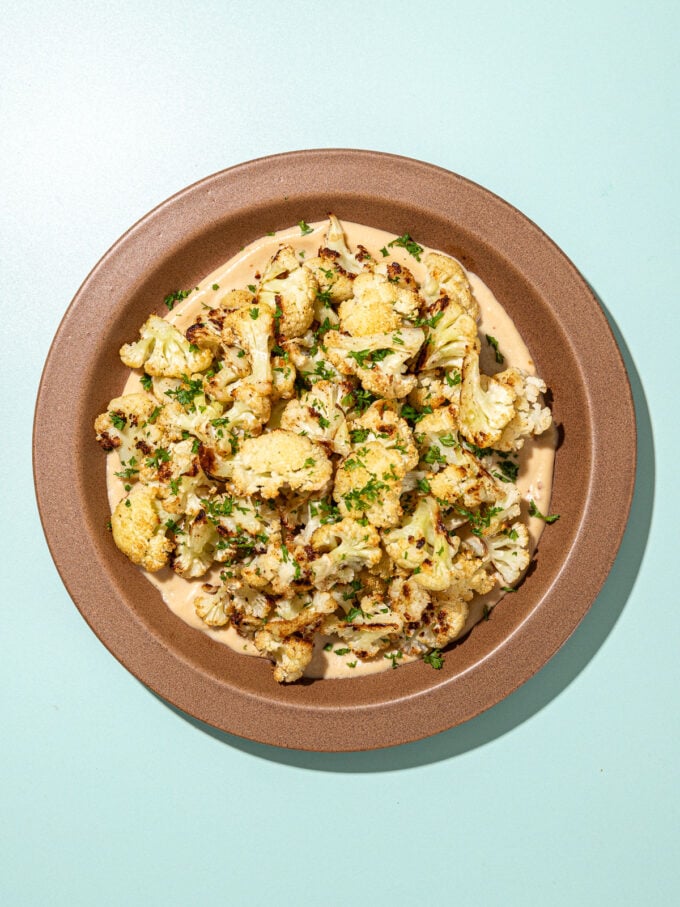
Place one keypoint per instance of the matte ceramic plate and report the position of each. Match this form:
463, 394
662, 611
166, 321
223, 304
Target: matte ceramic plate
179, 243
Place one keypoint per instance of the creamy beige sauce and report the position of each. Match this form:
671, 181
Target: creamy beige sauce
536, 458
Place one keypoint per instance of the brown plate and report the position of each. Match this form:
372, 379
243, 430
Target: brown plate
184, 239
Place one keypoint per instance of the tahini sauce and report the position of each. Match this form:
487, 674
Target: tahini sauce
536, 458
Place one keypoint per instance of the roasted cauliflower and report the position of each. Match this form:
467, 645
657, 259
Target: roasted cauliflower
319, 458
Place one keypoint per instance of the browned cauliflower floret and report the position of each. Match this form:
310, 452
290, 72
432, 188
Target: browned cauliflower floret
129, 426
251, 329
378, 360
163, 350
382, 299
138, 527
422, 546
509, 552
195, 547
486, 405
320, 415
276, 461
214, 605
469, 577
223, 378
530, 418
447, 277
368, 484
381, 423
367, 629
335, 267
435, 388
288, 290
442, 622
408, 598
343, 549
291, 655
452, 335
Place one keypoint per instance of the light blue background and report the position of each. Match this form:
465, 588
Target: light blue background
567, 792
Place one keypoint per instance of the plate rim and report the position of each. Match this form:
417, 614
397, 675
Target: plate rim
425, 701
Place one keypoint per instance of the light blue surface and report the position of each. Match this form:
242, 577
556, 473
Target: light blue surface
567, 792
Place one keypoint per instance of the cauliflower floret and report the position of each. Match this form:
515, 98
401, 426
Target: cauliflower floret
195, 547
436, 388
377, 360
451, 336
288, 290
381, 423
408, 598
530, 417
276, 461
283, 377
368, 482
447, 277
250, 607
207, 335
463, 481
335, 266
382, 299
367, 629
319, 414
309, 358
176, 471
486, 405
245, 417
282, 568
291, 656
300, 614
163, 350
469, 577
442, 623
252, 330
422, 546
138, 527
220, 381
509, 552
243, 526
130, 426
234, 299
214, 605
189, 411
345, 548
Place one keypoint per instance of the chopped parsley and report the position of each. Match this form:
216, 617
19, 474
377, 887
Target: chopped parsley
424, 486
394, 657
162, 455
359, 435
534, 511
252, 287
479, 519
215, 286
254, 313
358, 399
147, 383
185, 394
412, 415
177, 296
384, 252
405, 242
368, 358
453, 378
305, 228
119, 420
435, 659
342, 651
493, 343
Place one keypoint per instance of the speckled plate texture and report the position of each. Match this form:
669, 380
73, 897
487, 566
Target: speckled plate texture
179, 243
